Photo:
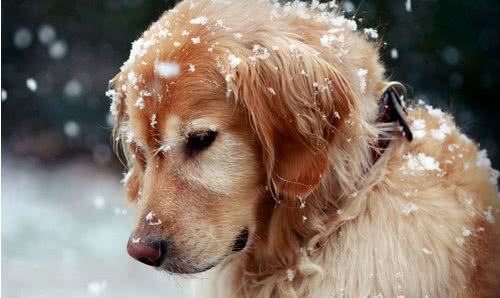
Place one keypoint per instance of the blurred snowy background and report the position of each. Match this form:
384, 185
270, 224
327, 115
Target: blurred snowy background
64, 219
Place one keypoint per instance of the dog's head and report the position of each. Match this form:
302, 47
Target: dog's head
217, 116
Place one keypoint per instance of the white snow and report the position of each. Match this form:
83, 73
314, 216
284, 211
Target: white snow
443, 130
151, 219
418, 128
73, 88
58, 49
409, 209
466, 232
31, 84
22, 38
488, 214
408, 5
115, 101
327, 40
99, 202
290, 274
482, 159
394, 53
234, 61
199, 21
362, 72
271, 90
46, 34
167, 69
371, 33
418, 163
4, 94
426, 251
132, 78
71, 129
97, 288
139, 103
153, 121
196, 40
177, 44
192, 68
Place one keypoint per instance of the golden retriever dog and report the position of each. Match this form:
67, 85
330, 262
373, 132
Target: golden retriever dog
264, 140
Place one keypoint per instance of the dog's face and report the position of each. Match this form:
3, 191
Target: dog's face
208, 118
196, 176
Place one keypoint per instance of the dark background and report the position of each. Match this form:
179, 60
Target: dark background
448, 55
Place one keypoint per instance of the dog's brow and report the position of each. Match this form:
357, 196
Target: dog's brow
202, 124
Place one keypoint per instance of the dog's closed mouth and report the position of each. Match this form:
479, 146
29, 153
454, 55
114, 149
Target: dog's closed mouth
241, 241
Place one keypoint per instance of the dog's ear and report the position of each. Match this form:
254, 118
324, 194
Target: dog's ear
296, 102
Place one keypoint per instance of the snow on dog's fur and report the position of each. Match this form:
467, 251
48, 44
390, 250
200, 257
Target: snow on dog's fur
290, 93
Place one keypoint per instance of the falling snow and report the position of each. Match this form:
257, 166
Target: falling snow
394, 53
71, 129
31, 84
97, 288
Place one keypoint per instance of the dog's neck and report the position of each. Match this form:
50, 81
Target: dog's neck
305, 223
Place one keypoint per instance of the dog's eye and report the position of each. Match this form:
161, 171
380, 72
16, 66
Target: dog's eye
200, 141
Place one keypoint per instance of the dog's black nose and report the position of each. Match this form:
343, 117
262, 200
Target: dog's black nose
146, 251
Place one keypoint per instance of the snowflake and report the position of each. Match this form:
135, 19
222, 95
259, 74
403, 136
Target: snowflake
139, 103
97, 288
418, 163
466, 232
371, 33
234, 61
394, 53
152, 220
409, 209
195, 40
167, 69
31, 84
418, 128
426, 251
199, 21
153, 121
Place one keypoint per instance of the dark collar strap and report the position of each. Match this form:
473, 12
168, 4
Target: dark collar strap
391, 110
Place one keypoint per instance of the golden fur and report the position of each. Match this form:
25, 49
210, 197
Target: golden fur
292, 92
